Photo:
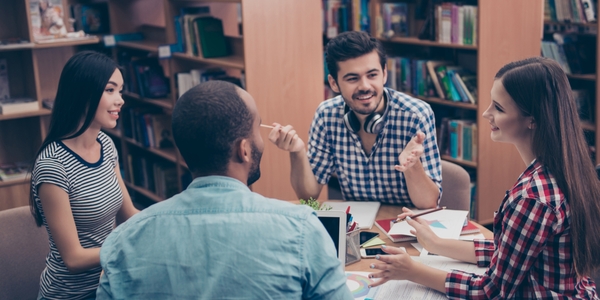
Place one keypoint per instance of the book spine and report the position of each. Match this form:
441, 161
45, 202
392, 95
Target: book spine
589, 10
461, 25
453, 146
467, 142
455, 81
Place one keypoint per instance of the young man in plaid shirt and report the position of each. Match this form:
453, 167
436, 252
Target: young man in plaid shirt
546, 243
379, 142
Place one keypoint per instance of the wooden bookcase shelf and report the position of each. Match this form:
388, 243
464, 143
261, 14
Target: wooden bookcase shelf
588, 126
416, 41
37, 113
15, 182
161, 102
444, 102
33, 72
148, 194
464, 163
590, 77
168, 154
498, 165
590, 81
269, 40
68, 43
144, 45
16, 47
236, 62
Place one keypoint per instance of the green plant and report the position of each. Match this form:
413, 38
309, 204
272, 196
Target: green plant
314, 204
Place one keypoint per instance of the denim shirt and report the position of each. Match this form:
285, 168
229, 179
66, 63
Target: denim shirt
219, 240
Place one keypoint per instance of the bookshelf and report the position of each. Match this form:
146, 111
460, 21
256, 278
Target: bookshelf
279, 53
33, 72
597, 90
586, 33
506, 31
583, 34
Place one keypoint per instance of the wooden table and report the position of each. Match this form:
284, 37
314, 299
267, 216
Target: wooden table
387, 211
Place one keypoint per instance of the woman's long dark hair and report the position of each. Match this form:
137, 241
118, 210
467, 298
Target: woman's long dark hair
540, 89
81, 85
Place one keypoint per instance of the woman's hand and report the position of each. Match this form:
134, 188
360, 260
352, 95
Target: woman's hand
405, 213
425, 236
396, 266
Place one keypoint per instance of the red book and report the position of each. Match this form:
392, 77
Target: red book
385, 226
470, 228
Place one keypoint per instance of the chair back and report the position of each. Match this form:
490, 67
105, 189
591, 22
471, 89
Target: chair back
23, 250
456, 187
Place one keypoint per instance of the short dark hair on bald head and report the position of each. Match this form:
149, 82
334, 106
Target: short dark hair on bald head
208, 121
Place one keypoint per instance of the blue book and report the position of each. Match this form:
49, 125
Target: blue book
455, 81
179, 35
453, 138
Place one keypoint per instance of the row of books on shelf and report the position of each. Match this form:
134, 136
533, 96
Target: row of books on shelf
187, 80
200, 34
458, 139
345, 15
585, 104
157, 177
576, 55
393, 21
144, 76
430, 78
13, 171
456, 24
575, 11
12, 105
148, 126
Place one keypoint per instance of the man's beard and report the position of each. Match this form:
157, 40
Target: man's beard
359, 109
254, 173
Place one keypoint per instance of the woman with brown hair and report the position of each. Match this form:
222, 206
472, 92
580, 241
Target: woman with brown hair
546, 243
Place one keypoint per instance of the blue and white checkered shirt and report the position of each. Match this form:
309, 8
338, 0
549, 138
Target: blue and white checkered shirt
332, 148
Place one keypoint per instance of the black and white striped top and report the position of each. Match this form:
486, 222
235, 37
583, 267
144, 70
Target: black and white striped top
95, 198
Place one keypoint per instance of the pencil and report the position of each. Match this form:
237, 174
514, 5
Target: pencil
421, 214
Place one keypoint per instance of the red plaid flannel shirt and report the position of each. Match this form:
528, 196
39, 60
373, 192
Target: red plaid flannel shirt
530, 256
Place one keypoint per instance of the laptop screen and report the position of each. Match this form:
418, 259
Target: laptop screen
335, 223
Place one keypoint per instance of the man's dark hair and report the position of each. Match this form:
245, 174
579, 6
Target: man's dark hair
351, 44
208, 121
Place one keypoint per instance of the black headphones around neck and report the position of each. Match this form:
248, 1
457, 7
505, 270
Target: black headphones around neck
373, 123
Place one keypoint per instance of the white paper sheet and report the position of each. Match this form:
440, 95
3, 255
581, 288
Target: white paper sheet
404, 289
445, 223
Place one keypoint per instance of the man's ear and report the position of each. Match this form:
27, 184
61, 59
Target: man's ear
333, 84
243, 151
